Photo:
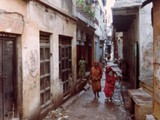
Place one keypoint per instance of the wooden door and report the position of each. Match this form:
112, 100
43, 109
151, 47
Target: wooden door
7, 99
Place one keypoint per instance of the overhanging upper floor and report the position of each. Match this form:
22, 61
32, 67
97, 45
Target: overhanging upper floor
124, 16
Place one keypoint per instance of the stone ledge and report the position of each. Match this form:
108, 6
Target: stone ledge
142, 103
140, 97
150, 117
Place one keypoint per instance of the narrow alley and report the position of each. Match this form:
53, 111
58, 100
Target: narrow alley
85, 107
55, 55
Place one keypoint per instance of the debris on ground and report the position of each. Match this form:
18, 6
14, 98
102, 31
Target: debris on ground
58, 114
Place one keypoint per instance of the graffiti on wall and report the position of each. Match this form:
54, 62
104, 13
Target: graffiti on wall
32, 62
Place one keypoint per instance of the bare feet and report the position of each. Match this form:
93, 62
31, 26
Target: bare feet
108, 99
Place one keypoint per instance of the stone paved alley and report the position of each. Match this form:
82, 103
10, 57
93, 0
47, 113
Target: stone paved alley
85, 107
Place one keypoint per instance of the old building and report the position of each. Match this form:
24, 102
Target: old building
128, 17
156, 29
85, 38
101, 30
91, 34
37, 49
156, 38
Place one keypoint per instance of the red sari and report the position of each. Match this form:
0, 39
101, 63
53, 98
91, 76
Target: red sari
110, 82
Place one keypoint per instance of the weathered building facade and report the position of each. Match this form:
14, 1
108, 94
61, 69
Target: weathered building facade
156, 38
38, 44
137, 41
91, 32
128, 17
156, 29
85, 38
101, 30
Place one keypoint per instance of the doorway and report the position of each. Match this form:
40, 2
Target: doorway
7, 75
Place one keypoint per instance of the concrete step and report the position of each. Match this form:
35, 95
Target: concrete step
150, 117
142, 103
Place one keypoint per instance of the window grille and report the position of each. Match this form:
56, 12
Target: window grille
44, 69
65, 63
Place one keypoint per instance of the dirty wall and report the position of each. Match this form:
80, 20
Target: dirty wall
56, 24
146, 45
156, 26
130, 39
12, 20
27, 19
62, 5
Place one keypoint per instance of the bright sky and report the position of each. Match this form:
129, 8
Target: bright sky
110, 3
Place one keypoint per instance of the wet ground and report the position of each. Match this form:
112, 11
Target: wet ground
85, 107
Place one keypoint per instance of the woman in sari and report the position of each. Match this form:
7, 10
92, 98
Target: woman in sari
82, 68
95, 77
109, 83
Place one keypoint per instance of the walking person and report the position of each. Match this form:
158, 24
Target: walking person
109, 83
82, 67
95, 77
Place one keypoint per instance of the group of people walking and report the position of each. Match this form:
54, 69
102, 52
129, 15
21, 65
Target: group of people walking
95, 78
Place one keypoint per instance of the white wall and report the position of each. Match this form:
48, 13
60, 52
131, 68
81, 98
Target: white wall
146, 43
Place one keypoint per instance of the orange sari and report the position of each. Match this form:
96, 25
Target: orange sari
96, 74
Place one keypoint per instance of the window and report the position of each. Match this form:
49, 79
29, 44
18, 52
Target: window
65, 63
44, 69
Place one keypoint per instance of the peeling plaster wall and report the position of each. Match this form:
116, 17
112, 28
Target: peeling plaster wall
146, 43
12, 18
20, 6
56, 24
33, 18
65, 5
156, 26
